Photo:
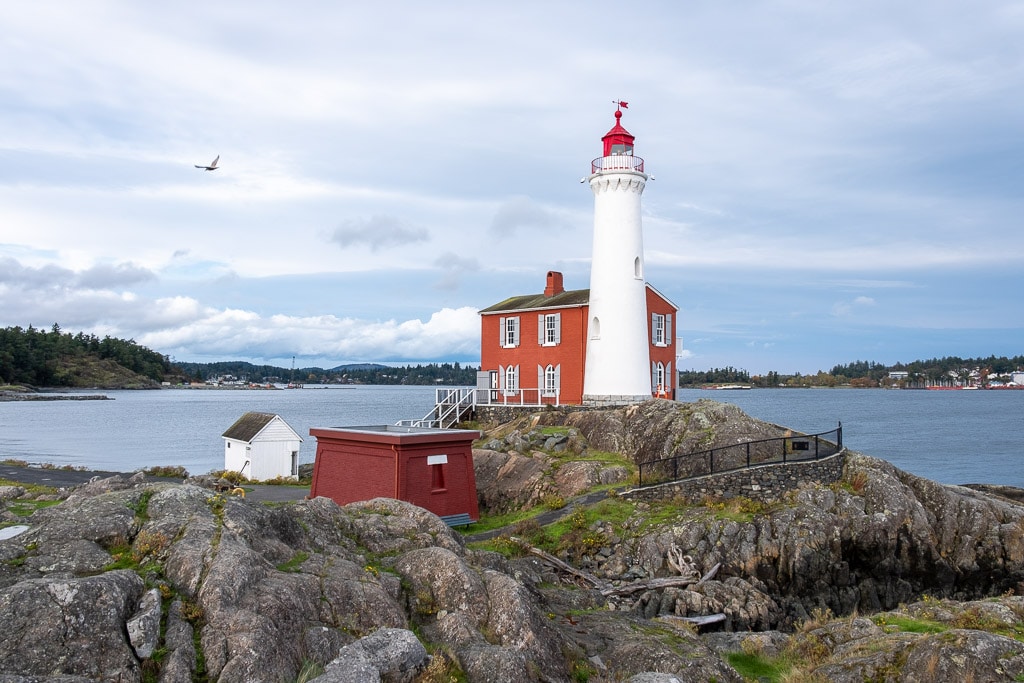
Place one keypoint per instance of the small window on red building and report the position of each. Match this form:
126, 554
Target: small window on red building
436, 464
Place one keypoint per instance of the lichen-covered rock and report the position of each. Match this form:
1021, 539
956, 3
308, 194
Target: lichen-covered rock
507, 481
390, 655
11, 492
76, 627
660, 429
144, 626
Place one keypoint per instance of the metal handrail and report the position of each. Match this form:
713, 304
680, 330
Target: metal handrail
702, 463
451, 402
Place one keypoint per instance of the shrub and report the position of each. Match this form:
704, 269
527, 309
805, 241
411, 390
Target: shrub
148, 544
168, 471
553, 501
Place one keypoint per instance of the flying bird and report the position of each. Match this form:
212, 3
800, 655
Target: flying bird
211, 167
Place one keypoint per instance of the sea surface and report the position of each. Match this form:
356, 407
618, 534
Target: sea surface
954, 437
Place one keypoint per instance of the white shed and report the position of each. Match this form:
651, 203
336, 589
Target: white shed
262, 446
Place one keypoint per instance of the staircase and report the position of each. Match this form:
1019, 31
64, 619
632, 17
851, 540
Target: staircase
451, 405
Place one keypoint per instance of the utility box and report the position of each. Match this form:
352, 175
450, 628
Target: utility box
428, 467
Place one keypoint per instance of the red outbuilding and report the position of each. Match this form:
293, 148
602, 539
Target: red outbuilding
431, 468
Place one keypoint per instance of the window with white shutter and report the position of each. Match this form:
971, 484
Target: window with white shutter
509, 332
657, 329
552, 329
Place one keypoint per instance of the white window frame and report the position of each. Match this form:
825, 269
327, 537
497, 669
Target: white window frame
549, 329
658, 329
658, 377
552, 380
509, 331
511, 379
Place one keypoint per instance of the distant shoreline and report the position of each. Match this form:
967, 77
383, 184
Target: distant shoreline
35, 396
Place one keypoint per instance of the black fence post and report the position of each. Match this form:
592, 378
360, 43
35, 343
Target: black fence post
839, 435
748, 454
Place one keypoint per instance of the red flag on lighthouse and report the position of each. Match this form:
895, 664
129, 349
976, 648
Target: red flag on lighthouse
624, 105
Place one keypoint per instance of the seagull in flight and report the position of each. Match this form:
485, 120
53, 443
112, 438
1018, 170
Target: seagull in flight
211, 167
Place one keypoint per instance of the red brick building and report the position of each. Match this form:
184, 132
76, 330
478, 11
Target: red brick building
431, 468
533, 347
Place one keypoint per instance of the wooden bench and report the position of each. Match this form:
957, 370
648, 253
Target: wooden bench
461, 519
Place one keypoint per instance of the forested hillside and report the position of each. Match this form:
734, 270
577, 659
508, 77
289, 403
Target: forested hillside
58, 359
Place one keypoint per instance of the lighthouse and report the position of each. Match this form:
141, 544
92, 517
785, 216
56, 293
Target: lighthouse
617, 368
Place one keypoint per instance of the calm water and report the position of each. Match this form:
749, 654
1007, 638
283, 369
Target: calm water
954, 437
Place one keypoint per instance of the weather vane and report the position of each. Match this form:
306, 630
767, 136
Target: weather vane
620, 104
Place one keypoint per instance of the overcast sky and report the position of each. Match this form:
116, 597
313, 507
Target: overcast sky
834, 181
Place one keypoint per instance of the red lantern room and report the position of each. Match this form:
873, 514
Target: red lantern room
618, 142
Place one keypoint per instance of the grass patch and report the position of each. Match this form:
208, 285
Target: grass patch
900, 623
309, 671
34, 489
606, 457
490, 522
758, 667
739, 509
141, 507
25, 508
293, 564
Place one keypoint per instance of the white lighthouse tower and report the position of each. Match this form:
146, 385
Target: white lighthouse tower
618, 354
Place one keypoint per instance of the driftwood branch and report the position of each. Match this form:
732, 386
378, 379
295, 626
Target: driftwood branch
711, 573
650, 584
702, 620
558, 564
681, 564
627, 589
656, 584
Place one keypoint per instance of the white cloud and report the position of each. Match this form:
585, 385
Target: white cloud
845, 308
447, 333
522, 213
377, 232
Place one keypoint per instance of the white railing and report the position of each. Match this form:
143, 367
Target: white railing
617, 162
451, 403
524, 397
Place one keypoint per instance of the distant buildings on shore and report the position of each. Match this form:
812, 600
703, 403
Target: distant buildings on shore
963, 378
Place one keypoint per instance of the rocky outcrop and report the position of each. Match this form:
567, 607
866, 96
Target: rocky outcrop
660, 429
126, 580
523, 465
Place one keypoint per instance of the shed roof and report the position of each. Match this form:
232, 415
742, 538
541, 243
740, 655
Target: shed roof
248, 427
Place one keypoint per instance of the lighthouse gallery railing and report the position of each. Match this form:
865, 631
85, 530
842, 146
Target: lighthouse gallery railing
617, 162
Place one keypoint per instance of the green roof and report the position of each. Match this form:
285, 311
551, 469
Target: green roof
530, 302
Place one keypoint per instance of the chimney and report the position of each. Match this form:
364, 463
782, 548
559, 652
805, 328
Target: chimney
554, 284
